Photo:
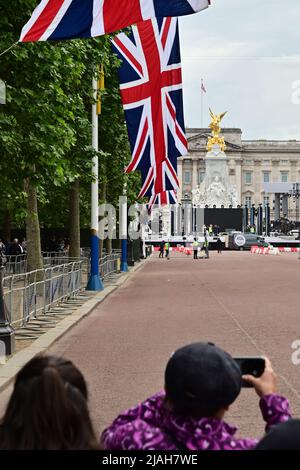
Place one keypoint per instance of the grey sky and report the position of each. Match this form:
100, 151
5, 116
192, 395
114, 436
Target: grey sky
248, 53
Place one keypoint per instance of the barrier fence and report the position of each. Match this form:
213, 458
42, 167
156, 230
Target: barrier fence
32, 294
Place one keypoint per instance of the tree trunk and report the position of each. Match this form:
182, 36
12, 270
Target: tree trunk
33, 235
74, 226
7, 226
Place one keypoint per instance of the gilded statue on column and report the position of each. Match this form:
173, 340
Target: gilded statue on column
216, 130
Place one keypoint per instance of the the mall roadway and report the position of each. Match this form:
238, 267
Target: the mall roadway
248, 304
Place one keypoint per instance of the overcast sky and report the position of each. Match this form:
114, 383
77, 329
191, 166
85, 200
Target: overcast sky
248, 53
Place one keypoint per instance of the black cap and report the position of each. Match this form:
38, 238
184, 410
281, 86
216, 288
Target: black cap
202, 374
285, 436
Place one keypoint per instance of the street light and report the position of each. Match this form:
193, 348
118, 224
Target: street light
7, 335
187, 202
295, 194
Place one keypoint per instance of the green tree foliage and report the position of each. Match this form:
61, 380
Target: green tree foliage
45, 127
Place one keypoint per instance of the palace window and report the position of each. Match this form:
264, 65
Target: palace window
248, 177
187, 177
284, 176
201, 176
266, 201
266, 176
248, 201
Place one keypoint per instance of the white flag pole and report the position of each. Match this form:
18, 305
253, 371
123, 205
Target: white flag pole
202, 99
95, 282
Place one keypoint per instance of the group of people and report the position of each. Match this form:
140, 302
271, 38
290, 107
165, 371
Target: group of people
48, 408
61, 245
164, 249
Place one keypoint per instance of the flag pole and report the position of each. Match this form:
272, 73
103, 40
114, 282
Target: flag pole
95, 283
202, 93
124, 228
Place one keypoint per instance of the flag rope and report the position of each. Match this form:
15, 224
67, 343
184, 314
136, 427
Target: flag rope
7, 50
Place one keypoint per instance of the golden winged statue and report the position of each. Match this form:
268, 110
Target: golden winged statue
216, 130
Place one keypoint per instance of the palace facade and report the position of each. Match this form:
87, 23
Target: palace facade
252, 163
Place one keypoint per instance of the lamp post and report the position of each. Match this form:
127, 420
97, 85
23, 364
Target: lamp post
95, 282
7, 335
187, 215
295, 193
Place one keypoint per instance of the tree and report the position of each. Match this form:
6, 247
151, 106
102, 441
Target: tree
45, 138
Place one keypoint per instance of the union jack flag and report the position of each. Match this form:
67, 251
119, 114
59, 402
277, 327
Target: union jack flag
67, 19
165, 198
151, 90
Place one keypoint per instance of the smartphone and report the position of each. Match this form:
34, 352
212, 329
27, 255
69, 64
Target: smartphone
251, 366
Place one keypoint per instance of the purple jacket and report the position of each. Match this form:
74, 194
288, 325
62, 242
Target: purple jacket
152, 426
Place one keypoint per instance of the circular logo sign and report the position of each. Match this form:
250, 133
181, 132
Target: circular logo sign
239, 240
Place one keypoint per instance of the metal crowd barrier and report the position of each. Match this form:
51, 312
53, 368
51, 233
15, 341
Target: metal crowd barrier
31, 294
110, 264
15, 264
34, 293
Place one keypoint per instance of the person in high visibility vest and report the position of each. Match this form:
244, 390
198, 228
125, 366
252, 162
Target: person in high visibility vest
206, 246
195, 248
167, 250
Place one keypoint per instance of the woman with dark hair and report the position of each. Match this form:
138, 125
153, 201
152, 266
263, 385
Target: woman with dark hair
48, 409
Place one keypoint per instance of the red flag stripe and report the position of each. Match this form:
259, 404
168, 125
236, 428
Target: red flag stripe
134, 161
166, 31
147, 183
44, 21
179, 133
125, 51
123, 14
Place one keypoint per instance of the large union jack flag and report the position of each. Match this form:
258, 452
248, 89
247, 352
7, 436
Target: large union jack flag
165, 198
67, 19
151, 89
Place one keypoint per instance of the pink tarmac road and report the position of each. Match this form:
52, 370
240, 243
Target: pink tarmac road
248, 304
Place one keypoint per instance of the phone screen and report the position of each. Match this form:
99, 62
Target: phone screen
251, 366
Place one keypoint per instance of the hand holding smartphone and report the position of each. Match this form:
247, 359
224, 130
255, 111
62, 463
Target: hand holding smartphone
254, 366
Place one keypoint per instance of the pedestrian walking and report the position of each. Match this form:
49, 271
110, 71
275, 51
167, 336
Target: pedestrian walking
211, 231
48, 409
219, 245
24, 245
2, 246
195, 248
15, 250
167, 250
161, 249
206, 248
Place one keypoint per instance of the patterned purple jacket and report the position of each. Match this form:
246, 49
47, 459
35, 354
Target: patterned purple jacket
152, 426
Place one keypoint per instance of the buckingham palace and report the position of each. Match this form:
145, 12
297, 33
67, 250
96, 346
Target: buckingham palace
252, 164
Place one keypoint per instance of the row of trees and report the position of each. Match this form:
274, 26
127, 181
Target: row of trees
45, 132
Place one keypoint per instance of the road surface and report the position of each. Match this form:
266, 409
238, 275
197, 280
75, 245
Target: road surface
248, 304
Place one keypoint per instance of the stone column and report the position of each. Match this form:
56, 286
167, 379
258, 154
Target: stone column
285, 205
277, 207
195, 174
238, 176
